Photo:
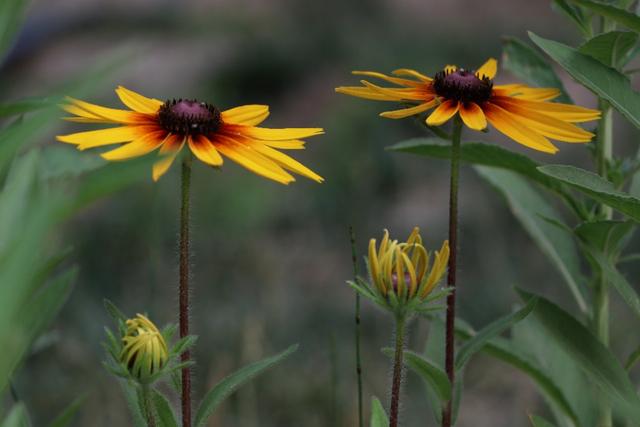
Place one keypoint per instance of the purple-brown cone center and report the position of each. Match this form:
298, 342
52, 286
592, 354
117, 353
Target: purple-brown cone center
462, 85
189, 117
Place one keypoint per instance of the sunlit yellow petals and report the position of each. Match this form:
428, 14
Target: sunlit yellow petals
283, 134
525, 92
505, 123
252, 161
408, 94
73, 109
137, 102
294, 144
547, 125
98, 138
248, 115
287, 162
488, 69
566, 112
394, 80
450, 69
374, 267
437, 270
168, 152
472, 116
204, 150
139, 147
384, 243
406, 112
412, 73
110, 114
365, 93
444, 112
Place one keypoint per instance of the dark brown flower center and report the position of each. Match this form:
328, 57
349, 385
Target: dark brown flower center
463, 85
189, 117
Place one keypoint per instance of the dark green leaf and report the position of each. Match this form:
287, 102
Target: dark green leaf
18, 417
612, 48
229, 384
25, 106
378, 415
65, 418
495, 328
537, 421
589, 354
166, 417
621, 16
573, 13
11, 16
596, 187
604, 81
480, 154
133, 403
530, 209
527, 63
607, 236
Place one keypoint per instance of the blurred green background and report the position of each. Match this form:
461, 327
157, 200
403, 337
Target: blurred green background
269, 261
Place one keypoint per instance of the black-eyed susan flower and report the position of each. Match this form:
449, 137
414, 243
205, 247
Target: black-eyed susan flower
522, 113
167, 127
144, 350
403, 275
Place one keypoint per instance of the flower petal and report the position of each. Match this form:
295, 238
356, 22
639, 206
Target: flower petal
98, 138
472, 116
406, 112
269, 134
401, 94
85, 109
450, 68
137, 102
169, 151
505, 123
525, 92
488, 69
365, 93
287, 162
394, 80
566, 112
204, 150
444, 112
248, 115
139, 147
411, 73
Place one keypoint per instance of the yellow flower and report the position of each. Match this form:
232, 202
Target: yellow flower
144, 349
520, 112
208, 132
403, 269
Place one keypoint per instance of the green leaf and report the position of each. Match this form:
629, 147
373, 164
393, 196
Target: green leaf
25, 106
612, 48
490, 331
621, 16
166, 417
133, 403
11, 16
378, 415
604, 81
431, 373
595, 187
229, 384
537, 421
66, 417
480, 154
60, 161
607, 236
589, 354
573, 13
18, 417
527, 63
530, 209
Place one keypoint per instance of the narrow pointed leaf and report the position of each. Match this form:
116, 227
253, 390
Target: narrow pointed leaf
621, 16
612, 48
428, 371
18, 417
69, 413
537, 421
166, 417
378, 415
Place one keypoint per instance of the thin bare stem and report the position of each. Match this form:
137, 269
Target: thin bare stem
354, 259
396, 383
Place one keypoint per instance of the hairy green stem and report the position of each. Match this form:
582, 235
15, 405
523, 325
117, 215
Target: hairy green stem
396, 383
184, 288
147, 406
447, 414
601, 290
354, 259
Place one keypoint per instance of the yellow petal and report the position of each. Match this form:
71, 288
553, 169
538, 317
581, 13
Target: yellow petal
374, 267
139, 147
400, 94
98, 138
287, 162
450, 69
505, 123
110, 114
365, 93
444, 112
406, 112
566, 112
525, 92
248, 115
399, 268
137, 102
169, 151
204, 150
268, 134
394, 80
488, 69
472, 116
294, 144
412, 73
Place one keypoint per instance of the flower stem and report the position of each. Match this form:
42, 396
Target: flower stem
147, 406
354, 259
601, 291
184, 288
397, 371
451, 278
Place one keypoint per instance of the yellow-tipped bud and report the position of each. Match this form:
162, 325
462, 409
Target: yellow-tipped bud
144, 349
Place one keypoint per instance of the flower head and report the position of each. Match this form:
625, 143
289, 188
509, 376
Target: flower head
401, 273
144, 350
210, 133
522, 113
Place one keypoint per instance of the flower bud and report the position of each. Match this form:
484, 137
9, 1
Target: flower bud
144, 351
